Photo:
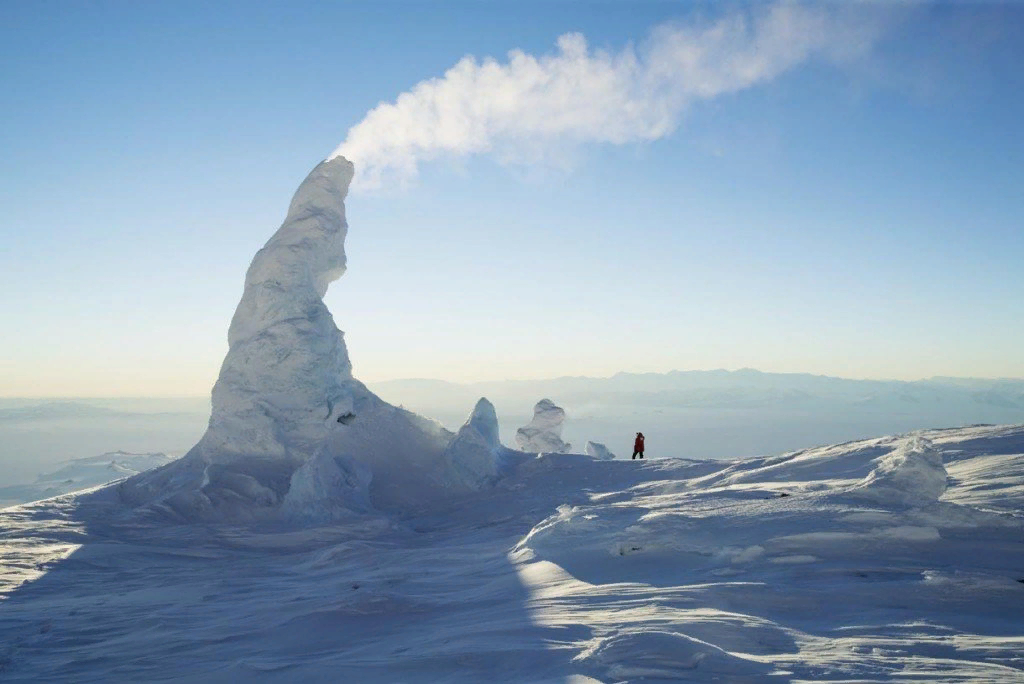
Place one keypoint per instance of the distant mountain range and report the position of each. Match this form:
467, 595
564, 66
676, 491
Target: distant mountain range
719, 413
65, 409
689, 414
50, 410
745, 388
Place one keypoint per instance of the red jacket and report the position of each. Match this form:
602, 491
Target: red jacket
638, 445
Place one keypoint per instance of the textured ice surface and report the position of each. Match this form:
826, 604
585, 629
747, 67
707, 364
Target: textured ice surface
474, 454
544, 433
912, 474
287, 376
599, 451
291, 432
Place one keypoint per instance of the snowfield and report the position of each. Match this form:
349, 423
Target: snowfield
890, 559
317, 533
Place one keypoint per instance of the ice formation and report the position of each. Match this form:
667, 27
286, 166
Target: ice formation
475, 453
599, 451
911, 474
287, 379
544, 433
291, 431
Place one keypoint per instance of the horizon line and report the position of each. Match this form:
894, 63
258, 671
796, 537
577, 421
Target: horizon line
206, 395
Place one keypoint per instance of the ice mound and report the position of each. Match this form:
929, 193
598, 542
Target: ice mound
544, 433
292, 432
599, 451
327, 489
473, 456
912, 474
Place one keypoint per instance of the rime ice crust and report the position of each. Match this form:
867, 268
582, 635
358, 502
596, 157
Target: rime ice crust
473, 456
599, 451
544, 433
287, 376
292, 433
286, 380
912, 474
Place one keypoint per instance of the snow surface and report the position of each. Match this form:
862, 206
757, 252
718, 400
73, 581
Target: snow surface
317, 533
564, 568
544, 433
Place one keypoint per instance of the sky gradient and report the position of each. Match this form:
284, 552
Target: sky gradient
859, 217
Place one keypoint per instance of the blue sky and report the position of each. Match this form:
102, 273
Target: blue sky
859, 217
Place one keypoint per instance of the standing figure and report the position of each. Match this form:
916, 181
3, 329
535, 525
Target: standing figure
638, 445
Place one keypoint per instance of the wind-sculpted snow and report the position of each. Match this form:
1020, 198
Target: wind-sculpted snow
809, 566
912, 473
655, 654
544, 433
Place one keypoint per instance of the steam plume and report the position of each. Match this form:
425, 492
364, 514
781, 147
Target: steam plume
523, 107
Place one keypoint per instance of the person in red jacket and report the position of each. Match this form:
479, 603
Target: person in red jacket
638, 445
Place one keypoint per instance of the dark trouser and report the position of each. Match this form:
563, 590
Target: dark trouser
638, 452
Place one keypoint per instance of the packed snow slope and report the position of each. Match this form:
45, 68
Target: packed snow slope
889, 559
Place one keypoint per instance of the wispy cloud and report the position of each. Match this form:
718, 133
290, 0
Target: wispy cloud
521, 109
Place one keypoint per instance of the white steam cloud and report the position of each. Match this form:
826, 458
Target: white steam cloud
521, 108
